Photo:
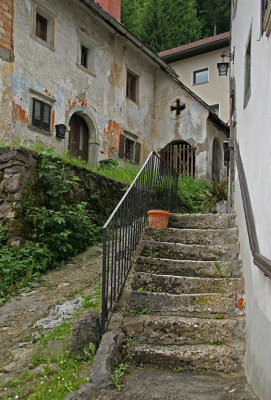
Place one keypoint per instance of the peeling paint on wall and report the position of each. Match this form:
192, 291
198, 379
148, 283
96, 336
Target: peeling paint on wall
19, 113
116, 72
112, 134
70, 105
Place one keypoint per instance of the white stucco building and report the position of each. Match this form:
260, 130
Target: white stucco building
250, 127
196, 65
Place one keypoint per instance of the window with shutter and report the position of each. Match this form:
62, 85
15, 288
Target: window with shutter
132, 86
137, 153
122, 146
43, 26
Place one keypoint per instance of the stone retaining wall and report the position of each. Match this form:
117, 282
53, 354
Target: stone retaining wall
18, 168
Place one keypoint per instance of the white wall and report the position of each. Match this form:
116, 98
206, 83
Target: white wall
216, 91
253, 135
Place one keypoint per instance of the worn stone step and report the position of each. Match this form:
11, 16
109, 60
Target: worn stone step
174, 330
202, 221
181, 284
191, 357
193, 236
189, 305
179, 251
188, 267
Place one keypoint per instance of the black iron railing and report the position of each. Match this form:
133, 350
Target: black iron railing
155, 187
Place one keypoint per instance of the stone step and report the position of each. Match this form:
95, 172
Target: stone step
173, 330
208, 358
181, 285
179, 251
193, 236
188, 305
202, 221
188, 267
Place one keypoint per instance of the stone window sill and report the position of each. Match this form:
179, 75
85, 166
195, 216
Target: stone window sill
39, 131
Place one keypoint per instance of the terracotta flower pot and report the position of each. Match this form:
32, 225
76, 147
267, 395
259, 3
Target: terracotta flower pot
158, 218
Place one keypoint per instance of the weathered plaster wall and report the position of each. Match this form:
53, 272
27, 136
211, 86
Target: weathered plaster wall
100, 96
6, 69
191, 125
212, 133
253, 135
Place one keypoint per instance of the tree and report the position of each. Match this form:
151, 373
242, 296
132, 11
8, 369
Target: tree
166, 24
214, 13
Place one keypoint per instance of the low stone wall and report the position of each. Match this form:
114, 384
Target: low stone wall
18, 167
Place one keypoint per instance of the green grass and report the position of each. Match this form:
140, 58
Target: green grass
191, 195
58, 376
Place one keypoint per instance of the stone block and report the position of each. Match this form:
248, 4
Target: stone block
85, 330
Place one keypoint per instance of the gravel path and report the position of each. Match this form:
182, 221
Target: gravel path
35, 310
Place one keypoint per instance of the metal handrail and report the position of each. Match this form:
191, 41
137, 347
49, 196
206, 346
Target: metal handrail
263, 263
155, 186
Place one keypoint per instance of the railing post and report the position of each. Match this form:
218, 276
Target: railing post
154, 180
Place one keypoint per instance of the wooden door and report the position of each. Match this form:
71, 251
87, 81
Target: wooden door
180, 156
78, 141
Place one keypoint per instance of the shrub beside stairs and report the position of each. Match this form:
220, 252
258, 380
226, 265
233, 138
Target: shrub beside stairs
184, 296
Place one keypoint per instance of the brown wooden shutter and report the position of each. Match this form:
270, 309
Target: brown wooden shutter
137, 153
122, 146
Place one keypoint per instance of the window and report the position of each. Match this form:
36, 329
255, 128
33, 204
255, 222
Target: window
131, 86
129, 148
41, 115
43, 26
201, 76
215, 108
247, 83
266, 17
234, 8
86, 54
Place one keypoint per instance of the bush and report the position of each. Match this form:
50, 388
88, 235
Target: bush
191, 194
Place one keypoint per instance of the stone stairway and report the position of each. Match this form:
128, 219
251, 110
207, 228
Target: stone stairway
185, 296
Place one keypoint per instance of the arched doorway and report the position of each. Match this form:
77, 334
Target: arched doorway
216, 160
180, 155
79, 137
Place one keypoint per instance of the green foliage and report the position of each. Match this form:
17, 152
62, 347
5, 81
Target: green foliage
164, 24
215, 342
119, 371
211, 15
57, 227
216, 192
191, 194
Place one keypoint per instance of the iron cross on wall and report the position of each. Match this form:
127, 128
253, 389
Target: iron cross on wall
178, 107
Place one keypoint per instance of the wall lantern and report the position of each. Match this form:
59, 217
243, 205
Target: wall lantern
224, 66
227, 154
60, 131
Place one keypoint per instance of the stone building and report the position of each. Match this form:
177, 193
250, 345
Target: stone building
72, 77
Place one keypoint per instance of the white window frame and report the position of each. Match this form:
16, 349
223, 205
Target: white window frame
50, 17
90, 45
200, 70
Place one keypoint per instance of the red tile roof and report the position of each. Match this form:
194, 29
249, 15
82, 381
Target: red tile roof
198, 43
